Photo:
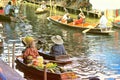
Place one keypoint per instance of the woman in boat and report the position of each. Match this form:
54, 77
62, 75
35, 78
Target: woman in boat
103, 22
58, 47
2, 76
80, 19
31, 50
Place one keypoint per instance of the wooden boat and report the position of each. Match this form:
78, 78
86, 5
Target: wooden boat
116, 25
85, 27
39, 74
61, 59
40, 11
4, 18
7, 18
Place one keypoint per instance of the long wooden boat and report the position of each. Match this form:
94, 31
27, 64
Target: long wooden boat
39, 74
59, 59
4, 18
116, 25
89, 28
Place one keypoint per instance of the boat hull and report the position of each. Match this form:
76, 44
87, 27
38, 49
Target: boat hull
39, 74
4, 18
92, 27
61, 59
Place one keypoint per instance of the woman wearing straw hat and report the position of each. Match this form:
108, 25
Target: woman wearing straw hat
31, 50
58, 47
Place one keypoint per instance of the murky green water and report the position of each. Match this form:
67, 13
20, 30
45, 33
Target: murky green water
104, 49
96, 47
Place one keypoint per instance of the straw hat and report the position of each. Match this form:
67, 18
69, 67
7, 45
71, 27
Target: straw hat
28, 40
57, 39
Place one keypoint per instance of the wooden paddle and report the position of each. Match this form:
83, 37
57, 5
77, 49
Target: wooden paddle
65, 10
86, 30
81, 11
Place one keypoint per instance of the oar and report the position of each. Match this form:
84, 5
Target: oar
81, 10
65, 10
86, 30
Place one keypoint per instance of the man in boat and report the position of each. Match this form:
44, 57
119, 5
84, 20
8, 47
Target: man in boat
43, 5
2, 76
58, 47
66, 18
31, 50
8, 9
103, 22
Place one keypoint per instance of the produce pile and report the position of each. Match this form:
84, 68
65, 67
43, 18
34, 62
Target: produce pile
40, 64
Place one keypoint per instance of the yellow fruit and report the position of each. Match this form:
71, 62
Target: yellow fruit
51, 65
40, 59
41, 66
29, 57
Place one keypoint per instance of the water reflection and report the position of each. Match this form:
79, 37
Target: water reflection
104, 49
10, 30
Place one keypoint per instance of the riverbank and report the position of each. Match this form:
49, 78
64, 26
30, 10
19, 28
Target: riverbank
59, 6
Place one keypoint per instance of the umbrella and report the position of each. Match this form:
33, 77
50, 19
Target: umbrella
105, 4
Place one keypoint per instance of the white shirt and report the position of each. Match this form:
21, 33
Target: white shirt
65, 17
103, 22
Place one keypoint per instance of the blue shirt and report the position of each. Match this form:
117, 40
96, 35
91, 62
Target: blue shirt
57, 49
7, 9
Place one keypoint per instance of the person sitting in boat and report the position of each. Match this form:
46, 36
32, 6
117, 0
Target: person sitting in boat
58, 47
1, 10
2, 76
31, 50
80, 19
7, 9
103, 22
66, 18
43, 5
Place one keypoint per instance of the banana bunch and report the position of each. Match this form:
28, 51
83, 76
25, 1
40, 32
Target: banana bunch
51, 65
41, 66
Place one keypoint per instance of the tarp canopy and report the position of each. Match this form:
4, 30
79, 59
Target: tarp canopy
105, 4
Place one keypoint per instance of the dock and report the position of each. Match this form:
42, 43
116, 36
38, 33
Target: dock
10, 73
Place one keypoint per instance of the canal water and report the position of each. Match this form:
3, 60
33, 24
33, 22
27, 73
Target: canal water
101, 48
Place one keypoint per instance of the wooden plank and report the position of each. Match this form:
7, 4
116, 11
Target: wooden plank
10, 73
